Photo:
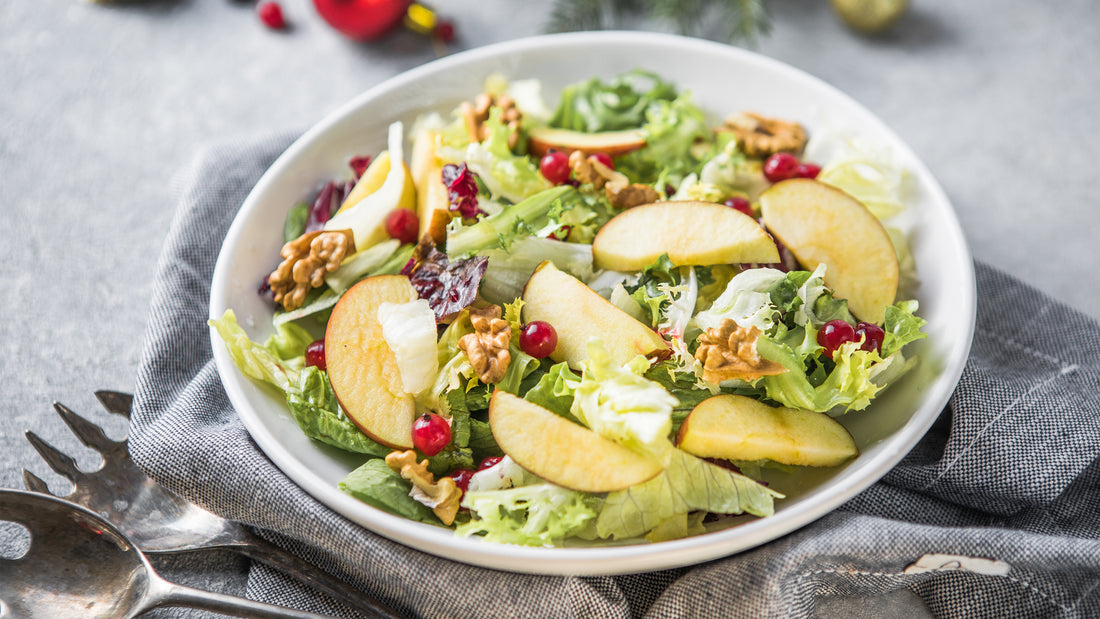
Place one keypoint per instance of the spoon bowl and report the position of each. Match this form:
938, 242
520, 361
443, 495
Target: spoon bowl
79, 565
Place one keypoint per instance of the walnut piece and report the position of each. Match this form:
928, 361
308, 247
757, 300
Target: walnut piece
442, 496
306, 261
729, 351
620, 192
487, 346
760, 136
475, 114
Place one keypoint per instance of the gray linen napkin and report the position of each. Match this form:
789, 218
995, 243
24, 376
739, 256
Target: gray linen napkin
995, 514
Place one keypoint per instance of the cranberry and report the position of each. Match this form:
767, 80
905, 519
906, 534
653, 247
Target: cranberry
431, 433
741, 204
538, 339
489, 462
780, 167
444, 31
872, 336
462, 478
315, 355
605, 159
807, 170
271, 14
403, 225
554, 166
833, 334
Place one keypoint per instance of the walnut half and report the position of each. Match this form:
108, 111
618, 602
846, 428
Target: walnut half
729, 351
475, 113
442, 496
487, 346
620, 192
759, 136
306, 261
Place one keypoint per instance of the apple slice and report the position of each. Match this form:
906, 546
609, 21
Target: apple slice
822, 224
736, 427
690, 232
362, 368
562, 452
433, 205
540, 140
579, 314
372, 180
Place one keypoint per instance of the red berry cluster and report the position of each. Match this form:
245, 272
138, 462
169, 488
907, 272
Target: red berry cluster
781, 166
837, 332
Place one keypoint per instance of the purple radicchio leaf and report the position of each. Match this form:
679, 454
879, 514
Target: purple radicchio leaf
449, 287
462, 190
326, 204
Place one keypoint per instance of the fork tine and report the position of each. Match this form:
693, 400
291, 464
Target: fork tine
58, 461
89, 433
115, 402
34, 483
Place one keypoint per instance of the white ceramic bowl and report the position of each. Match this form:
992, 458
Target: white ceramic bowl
723, 79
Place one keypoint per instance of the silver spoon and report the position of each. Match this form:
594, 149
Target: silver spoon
79, 565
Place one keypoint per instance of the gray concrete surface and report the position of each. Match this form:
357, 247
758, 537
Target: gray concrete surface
102, 105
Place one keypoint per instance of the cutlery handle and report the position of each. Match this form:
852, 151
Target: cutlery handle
260, 550
169, 594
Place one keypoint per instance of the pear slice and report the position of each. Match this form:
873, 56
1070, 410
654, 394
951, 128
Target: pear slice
541, 140
690, 232
736, 427
562, 452
362, 368
433, 203
579, 315
822, 224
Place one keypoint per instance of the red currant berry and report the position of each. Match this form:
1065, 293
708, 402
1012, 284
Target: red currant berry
555, 167
872, 336
489, 462
271, 14
780, 167
403, 225
807, 170
538, 339
741, 204
462, 478
431, 433
315, 354
833, 334
605, 159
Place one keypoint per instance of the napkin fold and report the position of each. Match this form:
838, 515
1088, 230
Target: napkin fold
996, 513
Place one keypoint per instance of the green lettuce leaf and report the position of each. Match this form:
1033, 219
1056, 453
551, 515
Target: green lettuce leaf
502, 228
378, 485
687, 485
315, 409
672, 131
619, 103
505, 174
902, 326
554, 391
534, 515
253, 360
848, 386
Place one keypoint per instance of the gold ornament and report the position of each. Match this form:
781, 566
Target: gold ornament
870, 16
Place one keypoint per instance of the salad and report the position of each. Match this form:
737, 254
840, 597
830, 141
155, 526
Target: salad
608, 318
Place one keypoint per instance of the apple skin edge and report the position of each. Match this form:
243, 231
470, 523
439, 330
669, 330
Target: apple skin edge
541, 140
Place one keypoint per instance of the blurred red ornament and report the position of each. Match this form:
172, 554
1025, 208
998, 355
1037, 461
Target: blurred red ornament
367, 20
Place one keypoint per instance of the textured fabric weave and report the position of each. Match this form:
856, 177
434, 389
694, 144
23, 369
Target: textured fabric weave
1008, 473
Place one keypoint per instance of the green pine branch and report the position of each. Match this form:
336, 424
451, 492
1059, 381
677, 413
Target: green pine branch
742, 21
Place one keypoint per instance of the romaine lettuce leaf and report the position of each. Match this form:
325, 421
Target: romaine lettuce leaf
314, 407
502, 228
688, 484
253, 360
378, 485
672, 131
554, 391
619, 103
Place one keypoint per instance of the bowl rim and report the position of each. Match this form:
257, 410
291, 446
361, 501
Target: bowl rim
607, 559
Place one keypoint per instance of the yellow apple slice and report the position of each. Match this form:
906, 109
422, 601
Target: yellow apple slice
822, 224
372, 180
541, 140
362, 368
579, 315
690, 232
367, 218
562, 452
433, 205
736, 427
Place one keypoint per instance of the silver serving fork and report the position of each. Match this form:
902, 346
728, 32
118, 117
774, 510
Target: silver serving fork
158, 521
